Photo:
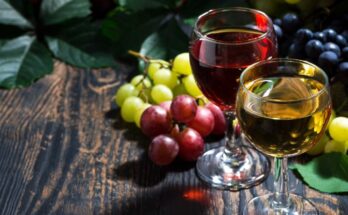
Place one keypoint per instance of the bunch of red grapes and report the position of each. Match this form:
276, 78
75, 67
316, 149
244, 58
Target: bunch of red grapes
178, 128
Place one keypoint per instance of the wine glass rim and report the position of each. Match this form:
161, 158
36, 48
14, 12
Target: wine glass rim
288, 60
237, 9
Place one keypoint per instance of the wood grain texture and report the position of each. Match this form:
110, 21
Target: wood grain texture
65, 150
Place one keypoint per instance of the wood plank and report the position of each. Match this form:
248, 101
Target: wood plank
65, 150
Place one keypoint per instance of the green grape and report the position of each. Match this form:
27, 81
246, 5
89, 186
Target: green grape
179, 90
166, 77
320, 146
191, 86
125, 91
338, 129
145, 95
335, 146
139, 113
181, 64
155, 65
140, 82
161, 93
129, 107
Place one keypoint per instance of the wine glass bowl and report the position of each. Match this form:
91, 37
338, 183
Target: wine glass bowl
223, 43
283, 106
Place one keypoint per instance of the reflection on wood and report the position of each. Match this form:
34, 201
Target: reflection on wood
65, 150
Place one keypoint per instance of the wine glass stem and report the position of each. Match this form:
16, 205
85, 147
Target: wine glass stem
281, 197
233, 155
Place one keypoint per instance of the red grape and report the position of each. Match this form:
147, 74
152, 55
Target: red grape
191, 144
163, 150
155, 120
203, 122
166, 105
219, 118
183, 108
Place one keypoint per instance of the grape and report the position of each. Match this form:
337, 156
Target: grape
183, 108
296, 50
145, 95
181, 64
140, 82
335, 146
219, 119
154, 121
330, 46
341, 41
179, 90
343, 67
328, 61
166, 77
314, 48
163, 150
161, 93
320, 146
191, 86
129, 107
338, 129
330, 34
290, 22
278, 31
125, 91
345, 53
166, 105
345, 34
319, 36
303, 35
203, 122
155, 65
191, 144
277, 22
138, 113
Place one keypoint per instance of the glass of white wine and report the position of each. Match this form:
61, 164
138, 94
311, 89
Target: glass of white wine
283, 107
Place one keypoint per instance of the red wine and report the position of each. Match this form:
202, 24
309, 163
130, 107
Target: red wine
219, 57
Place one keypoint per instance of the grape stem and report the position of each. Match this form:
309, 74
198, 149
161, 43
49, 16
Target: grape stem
146, 59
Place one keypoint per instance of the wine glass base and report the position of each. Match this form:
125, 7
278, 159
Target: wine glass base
232, 173
263, 205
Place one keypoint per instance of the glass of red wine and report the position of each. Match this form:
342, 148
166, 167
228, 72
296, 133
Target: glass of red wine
224, 42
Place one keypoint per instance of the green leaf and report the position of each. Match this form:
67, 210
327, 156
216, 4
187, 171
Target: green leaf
22, 61
128, 30
166, 43
10, 16
326, 173
57, 11
138, 5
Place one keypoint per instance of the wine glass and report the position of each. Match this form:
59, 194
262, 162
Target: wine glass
283, 106
223, 43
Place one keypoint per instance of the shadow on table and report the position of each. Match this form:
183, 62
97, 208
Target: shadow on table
165, 200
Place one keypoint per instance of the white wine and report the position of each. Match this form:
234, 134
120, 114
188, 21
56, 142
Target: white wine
284, 116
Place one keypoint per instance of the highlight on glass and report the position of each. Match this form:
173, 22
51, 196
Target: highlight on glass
224, 42
283, 106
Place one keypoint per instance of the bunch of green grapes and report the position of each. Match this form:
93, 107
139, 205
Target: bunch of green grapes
161, 81
335, 139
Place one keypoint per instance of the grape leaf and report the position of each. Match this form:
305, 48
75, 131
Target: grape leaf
128, 30
22, 61
137, 5
326, 173
57, 11
10, 16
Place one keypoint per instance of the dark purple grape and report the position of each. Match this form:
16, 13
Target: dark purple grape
303, 35
296, 51
330, 46
345, 53
319, 36
277, 21
278, 31
314, 48
328, 61
290, 22
345, 34
341, 41
330, 34
343, 67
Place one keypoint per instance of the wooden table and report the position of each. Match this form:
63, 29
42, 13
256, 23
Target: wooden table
65, 150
